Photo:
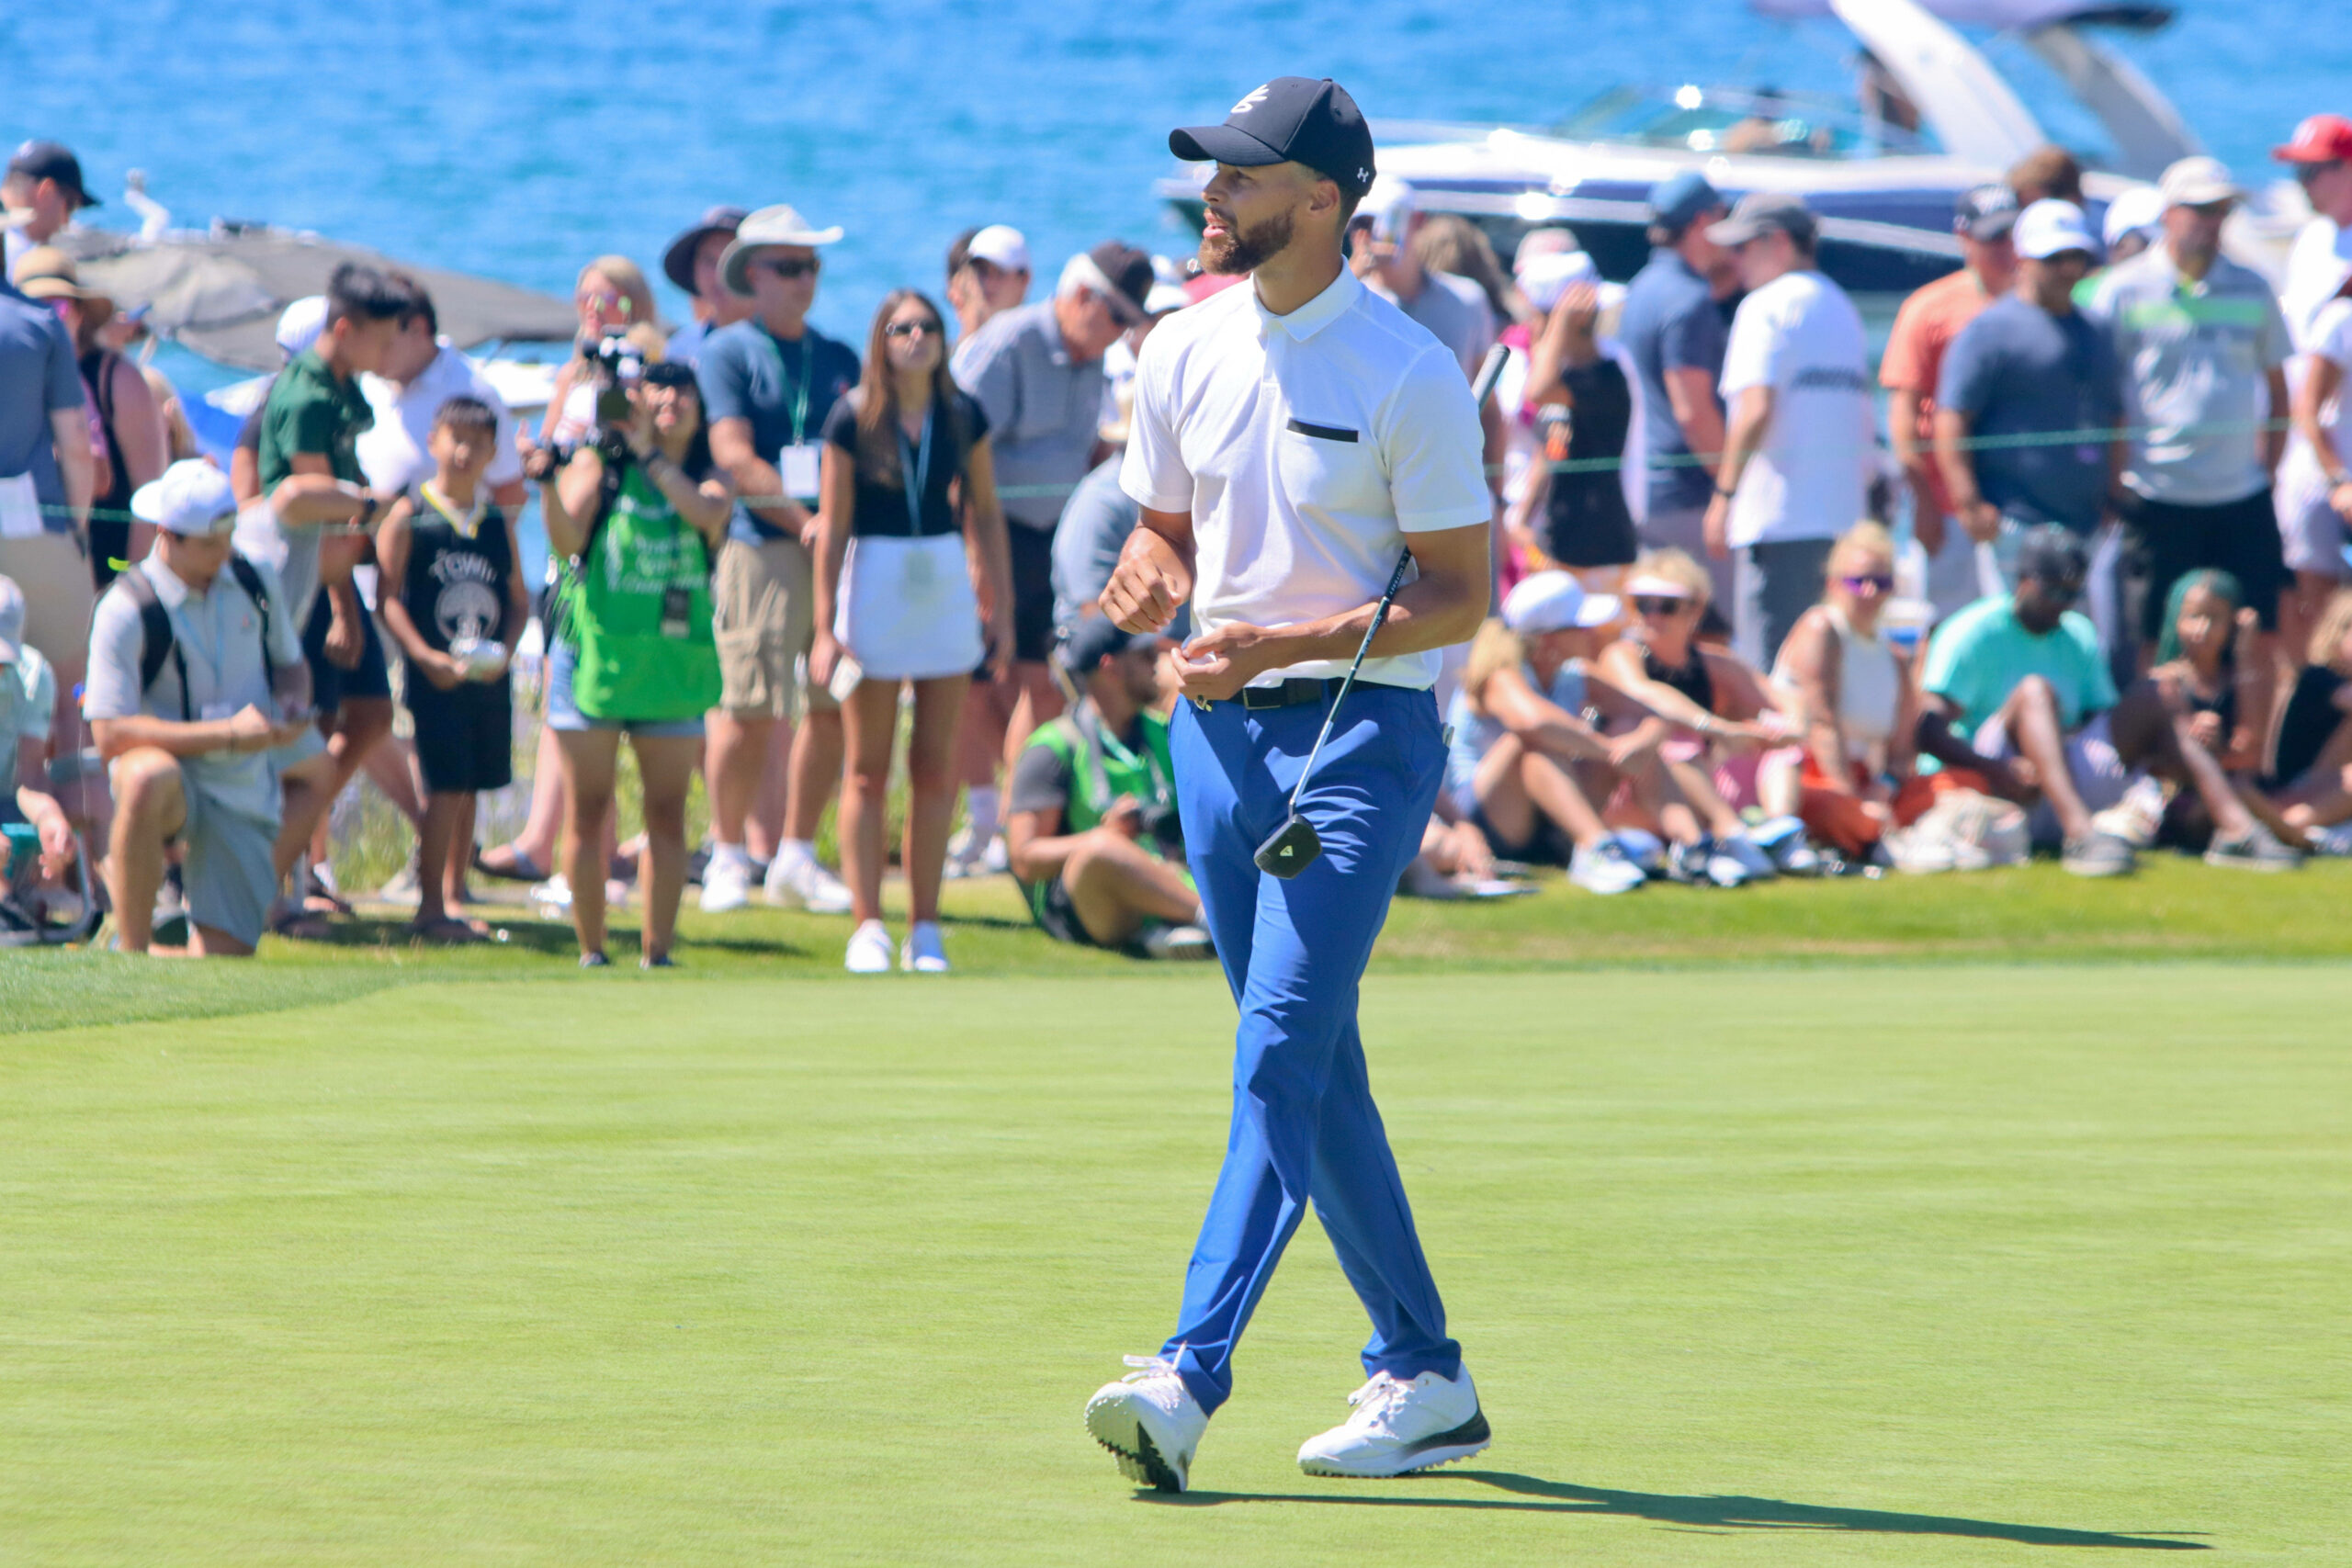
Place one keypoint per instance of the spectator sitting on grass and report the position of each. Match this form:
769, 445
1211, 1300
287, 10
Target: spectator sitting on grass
27, 708
195, 674
1712, 697
2017, 692
1525, 765
1857, 699
2311, 761
1091, 819
2205, 659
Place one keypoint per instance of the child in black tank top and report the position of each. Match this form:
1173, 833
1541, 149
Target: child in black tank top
455, 603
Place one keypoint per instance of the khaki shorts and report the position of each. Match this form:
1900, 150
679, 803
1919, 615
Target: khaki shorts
764, 606
55, 577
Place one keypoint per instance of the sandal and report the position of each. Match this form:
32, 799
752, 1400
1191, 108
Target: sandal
301, 925
512, 864
450, 931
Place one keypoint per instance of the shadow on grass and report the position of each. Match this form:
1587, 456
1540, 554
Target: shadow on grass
1720, 1514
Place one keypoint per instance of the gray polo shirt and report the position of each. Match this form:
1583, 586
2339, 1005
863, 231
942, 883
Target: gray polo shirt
38, 375
1455, 311
1044, 410
2195, 357
219, 636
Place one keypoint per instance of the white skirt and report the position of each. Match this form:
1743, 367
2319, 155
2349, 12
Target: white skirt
907, 612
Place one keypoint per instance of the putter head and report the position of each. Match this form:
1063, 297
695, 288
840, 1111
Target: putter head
1293, 847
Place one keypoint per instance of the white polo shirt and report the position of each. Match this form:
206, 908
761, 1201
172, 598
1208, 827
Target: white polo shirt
1305, 447
393, 451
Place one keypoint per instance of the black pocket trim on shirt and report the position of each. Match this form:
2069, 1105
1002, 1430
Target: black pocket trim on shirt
1323, 432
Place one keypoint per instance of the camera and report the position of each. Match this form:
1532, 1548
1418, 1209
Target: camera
619, 366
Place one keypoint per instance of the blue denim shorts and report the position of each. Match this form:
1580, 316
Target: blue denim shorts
564, 714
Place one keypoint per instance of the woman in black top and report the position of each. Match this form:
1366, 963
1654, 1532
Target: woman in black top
914, 584
2311, 770
1584, 409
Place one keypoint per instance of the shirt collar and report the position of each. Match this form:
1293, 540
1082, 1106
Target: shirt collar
170, 592
1315, 315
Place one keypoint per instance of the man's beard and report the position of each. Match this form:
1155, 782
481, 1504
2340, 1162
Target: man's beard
1239, 250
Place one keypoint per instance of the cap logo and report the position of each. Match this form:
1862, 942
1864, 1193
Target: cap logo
1252, 101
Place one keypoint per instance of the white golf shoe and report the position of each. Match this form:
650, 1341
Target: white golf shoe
869, 950
726, 882
1398, 1428
800, 881
1151, 1422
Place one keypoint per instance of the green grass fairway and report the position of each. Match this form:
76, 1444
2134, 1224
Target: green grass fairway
1850, 1263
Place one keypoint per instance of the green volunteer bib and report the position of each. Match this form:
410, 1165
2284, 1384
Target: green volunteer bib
642, 614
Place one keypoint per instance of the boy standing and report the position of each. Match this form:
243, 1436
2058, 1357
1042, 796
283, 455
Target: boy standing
455, 603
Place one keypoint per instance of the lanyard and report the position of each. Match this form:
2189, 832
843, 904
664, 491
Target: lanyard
1088, 724
916, 471
468, 525
800, 391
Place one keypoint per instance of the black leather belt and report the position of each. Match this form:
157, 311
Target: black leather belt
1301, 689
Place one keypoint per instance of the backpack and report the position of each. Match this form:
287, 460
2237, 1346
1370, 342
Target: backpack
157, 642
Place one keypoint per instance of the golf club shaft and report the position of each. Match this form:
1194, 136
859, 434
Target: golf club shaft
1379, 617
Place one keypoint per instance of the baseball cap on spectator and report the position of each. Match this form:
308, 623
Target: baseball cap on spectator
2052, 228
1291, 120
191, 498
1679, 200
12, 621
1762, 212
2198, 181
1164, 297
1555, 602
1389, 206
777, 225
2139, 211
1121, 273
2053, 553
678, 260
1986, 212
1544, 278
52, 160
1552, 240
1089, 640
2321, 139
299, 324
1001, 246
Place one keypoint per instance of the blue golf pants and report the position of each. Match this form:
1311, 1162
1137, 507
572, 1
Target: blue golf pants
1304, 1124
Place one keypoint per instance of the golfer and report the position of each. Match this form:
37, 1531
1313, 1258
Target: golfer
1290, 440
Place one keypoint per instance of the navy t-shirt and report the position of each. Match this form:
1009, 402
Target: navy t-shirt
2018, 370
1672, 321
746, 372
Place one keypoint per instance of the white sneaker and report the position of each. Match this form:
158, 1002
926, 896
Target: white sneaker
1398, 1428
554, 895
924, 952
1605, 868
799, 880
965, 856
1752, 857
1151, 1422
869, 950
2139, 816
1719, 865
1178, 942
726, 883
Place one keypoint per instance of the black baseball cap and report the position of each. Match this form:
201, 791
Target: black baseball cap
1987, 212
2054, 554
51, 161
1128, 271
1291, 120
678, 261
1086, 642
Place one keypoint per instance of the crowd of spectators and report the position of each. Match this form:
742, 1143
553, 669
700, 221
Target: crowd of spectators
2088, 592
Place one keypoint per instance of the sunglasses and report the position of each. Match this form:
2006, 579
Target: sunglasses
1661, 605
610, 304
790, 267
912, 329
1870, 582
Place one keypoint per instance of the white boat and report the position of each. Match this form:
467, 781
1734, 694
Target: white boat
1882, 175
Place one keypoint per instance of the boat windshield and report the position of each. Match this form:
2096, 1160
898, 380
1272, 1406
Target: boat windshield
1759, 121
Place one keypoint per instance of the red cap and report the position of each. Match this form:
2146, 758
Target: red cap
2322, 138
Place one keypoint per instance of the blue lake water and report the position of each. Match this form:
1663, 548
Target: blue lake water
519, 138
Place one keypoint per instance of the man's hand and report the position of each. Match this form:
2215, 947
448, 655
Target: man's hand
1125, 817
249, 729
1147, 586
1217, 664
56, 843
344, 644
1718, 526
1981, 519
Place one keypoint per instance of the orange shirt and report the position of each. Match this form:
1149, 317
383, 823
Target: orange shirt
1923, 328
